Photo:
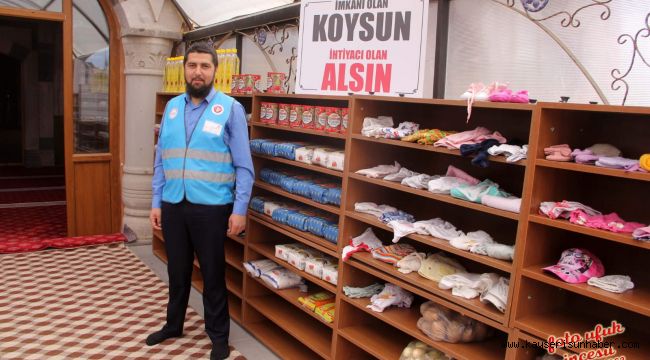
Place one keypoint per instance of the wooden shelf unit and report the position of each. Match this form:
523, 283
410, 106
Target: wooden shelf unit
539, 304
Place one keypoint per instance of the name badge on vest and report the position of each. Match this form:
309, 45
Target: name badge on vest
212, 127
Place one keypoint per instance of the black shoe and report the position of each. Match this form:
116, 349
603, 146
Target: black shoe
160, 336
219, 352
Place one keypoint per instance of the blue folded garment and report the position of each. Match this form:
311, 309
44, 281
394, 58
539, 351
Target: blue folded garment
331, 233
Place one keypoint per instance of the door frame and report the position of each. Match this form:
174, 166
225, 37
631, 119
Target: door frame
114, 158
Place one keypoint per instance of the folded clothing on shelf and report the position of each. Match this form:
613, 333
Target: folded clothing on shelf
392, 253
620, 163
475, 193
442, 324
367, 241
480, 150
511, 204
389, 216
642, 233
610, 222
513, 153
478, 135
418, 181
372, 208
391, 295
560, 152
468, 285
564, 208
380, 171
362, 292
437, 265
410, 263
612, 283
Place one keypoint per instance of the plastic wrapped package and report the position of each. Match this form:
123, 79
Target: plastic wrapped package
257, 204
288, 150
417, 350
256, 145
336, 160
318, 299
258, 267
268, 147
315, 265
321, 155
282, 251
298, 257
331, 273
305, 154
316, 225
326, 312
267, 174
281, 215
333, 196
442, 324
282, 279
302, 186
319, 192
297, 220
331, 233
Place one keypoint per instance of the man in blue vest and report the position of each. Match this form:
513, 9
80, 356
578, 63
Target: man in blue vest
203, 176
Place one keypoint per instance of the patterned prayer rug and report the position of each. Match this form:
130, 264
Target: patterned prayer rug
96, 302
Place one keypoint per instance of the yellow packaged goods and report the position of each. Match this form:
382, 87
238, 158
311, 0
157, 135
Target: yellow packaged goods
315, 300
326, 312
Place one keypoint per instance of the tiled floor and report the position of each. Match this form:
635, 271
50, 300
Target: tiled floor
239, 338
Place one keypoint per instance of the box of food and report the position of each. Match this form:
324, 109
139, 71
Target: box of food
308, 117
283, 114
272, 113
250, 83
234, 84
344, 120
333, 120
295, 115
275, 82
321, 113
264, 106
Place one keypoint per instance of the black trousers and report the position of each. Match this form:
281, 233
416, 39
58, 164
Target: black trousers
190, 228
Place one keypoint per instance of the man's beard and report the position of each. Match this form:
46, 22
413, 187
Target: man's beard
200, 92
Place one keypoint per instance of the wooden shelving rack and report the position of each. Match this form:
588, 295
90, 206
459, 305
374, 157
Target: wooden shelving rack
539, 304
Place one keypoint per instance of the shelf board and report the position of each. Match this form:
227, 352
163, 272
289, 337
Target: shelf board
279, 341
234, 308
299, 164
279, 191
637, 299
304, 237
450, 102
268, 250
436, 243
439, 197
234, 282
303, 328
159, 113
626, 239
593, 169
558, 322
431, 148
533, 340
237, 238
386, 343
300, 96
158, 234
431, 286
300, 130
292, 295
406, 321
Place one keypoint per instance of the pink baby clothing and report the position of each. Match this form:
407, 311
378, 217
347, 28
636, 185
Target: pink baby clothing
380, 171
620, 163
512, 204
458, 173
642, 233
367, 241
611, 222
391, 295
585, 156
454, 141
558, 152
563, 209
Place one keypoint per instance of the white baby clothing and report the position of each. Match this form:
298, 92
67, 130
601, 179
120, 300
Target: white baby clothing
390, 295
411, 262
402, 174
419, 181
380, 171
437, 228
372, 208
612, 283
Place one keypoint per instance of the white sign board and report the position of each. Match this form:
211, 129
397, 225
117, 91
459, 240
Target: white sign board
362, 46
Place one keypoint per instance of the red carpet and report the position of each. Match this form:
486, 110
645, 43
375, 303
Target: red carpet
16, 246
17, 197
32, 223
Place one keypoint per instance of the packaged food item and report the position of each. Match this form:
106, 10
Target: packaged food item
331, 273
250, 83
326, 312
333, 120
315, 265
336, 160
308, 117
282, 279
344, 120
282, 250
321, 113
264, 107
315, 300
274, 82
305, 154
442, 324
283, 114
295, 115
272, 113
234, 84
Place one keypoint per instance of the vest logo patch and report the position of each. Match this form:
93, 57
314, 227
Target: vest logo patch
217, 109
212, 127
172, 113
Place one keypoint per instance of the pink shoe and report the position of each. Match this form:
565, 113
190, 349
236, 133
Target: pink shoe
520, 97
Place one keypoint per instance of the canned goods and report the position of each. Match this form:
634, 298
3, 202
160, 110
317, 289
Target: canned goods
295, 115
344, 120
251, 83
263, 110
321, 113
272, 113
283, 114
274, 82
333, 120
308, 117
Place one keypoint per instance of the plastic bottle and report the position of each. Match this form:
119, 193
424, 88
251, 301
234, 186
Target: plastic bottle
218, 78
227, 80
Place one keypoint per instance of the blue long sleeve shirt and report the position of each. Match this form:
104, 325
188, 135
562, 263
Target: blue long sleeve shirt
235, 137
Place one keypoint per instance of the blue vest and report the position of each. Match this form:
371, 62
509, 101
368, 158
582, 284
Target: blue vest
200, 171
